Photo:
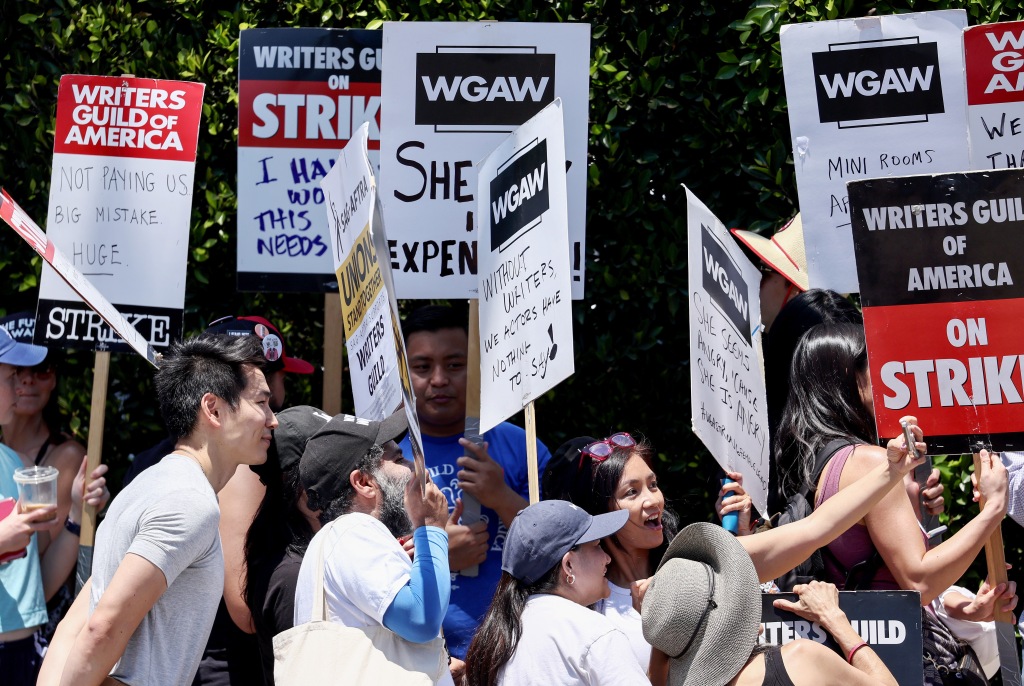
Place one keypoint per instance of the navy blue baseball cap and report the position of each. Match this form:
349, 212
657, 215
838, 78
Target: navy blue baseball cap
544, 532
19, 354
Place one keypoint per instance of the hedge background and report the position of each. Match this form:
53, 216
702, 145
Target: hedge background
681, 92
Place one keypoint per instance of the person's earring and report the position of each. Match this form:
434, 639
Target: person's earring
570, 578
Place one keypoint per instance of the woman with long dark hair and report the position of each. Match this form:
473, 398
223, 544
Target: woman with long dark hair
538, 628
830, 399
280, 531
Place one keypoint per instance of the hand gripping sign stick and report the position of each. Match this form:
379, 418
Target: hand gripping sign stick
16, 218
1006, 639
470, 505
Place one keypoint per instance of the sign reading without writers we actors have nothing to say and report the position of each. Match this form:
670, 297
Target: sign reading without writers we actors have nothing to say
124, 157
302, 94
727, 392
350, 193
869, 97
942, 283
525, 305
452, 92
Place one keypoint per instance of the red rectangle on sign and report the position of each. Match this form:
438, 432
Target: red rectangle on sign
958, 367
994, 56
118, 116
306, 114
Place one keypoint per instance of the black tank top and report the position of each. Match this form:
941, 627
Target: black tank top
775, 673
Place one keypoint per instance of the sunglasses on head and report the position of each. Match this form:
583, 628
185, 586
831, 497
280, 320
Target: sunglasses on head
599, 451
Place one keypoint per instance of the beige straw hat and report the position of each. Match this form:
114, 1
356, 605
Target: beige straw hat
784, 251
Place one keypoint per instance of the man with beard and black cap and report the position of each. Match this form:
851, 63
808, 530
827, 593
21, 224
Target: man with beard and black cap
355, 474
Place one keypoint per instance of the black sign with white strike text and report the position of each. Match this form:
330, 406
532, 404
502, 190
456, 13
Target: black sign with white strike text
884, 80
480, 89
76, 325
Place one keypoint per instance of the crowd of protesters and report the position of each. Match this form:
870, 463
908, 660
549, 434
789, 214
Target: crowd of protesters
261, 543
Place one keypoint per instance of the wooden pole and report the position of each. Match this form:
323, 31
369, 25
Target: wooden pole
97, 416
531, 453
334, 339
995, 558
470, 505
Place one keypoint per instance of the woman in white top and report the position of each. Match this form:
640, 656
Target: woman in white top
538, 629
615, 474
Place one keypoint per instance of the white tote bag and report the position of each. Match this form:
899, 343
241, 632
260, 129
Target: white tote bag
324, 652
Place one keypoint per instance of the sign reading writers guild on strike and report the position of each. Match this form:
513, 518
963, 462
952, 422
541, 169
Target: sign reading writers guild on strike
124, 158
526, 345
869, 97
942, 285
349, 193
889, 621
302, 95
727, 392
452, 92
995, 94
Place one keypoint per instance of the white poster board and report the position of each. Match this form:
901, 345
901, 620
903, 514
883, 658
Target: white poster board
452, 92
727, 393
349, 194
869, 97
526, 345
995, 94
302, 94
124, 158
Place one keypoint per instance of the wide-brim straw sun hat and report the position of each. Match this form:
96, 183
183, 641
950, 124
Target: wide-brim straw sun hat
703, 607
784, 251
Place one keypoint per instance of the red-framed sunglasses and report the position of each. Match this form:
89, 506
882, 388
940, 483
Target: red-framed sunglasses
599, 451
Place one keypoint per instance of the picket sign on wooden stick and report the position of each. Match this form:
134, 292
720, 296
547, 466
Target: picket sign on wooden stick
97, 417
995, 558
531, 452
470, 505
334, 338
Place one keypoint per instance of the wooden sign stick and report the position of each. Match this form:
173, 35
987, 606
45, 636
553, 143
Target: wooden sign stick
531, 453
334, 338
1006, 639
97, 416
470, 505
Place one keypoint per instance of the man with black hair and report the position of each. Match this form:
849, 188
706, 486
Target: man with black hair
355, 474
494, 472
158, 570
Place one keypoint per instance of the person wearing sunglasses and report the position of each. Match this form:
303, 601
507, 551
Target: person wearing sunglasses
538, 628
616, 473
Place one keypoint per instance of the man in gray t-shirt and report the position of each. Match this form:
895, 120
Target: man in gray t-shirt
158, 569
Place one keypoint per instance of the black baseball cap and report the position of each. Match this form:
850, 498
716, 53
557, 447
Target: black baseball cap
273, 341
544, 532
336, 449
295, 426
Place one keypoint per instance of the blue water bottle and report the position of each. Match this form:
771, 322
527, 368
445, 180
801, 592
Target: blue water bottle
730, 520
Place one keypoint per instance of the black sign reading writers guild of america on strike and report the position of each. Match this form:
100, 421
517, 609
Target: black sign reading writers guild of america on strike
482, 89
724, 283
878, 83
519, 194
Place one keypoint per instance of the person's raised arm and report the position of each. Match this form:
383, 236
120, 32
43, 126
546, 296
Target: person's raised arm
779, 550
62, 553
134, 589
894, 531
239, 500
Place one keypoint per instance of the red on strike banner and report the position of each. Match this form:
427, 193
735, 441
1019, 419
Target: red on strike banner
128, 117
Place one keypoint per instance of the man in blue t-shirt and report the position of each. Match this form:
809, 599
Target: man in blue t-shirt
437, 343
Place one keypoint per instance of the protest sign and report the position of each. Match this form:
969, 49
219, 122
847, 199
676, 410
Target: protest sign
23, 225
943, 296
890, 622
302, 94
120, 206
727, 392
20, 325
452, 92
350, 196
869, 97
526, 345
995, 94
